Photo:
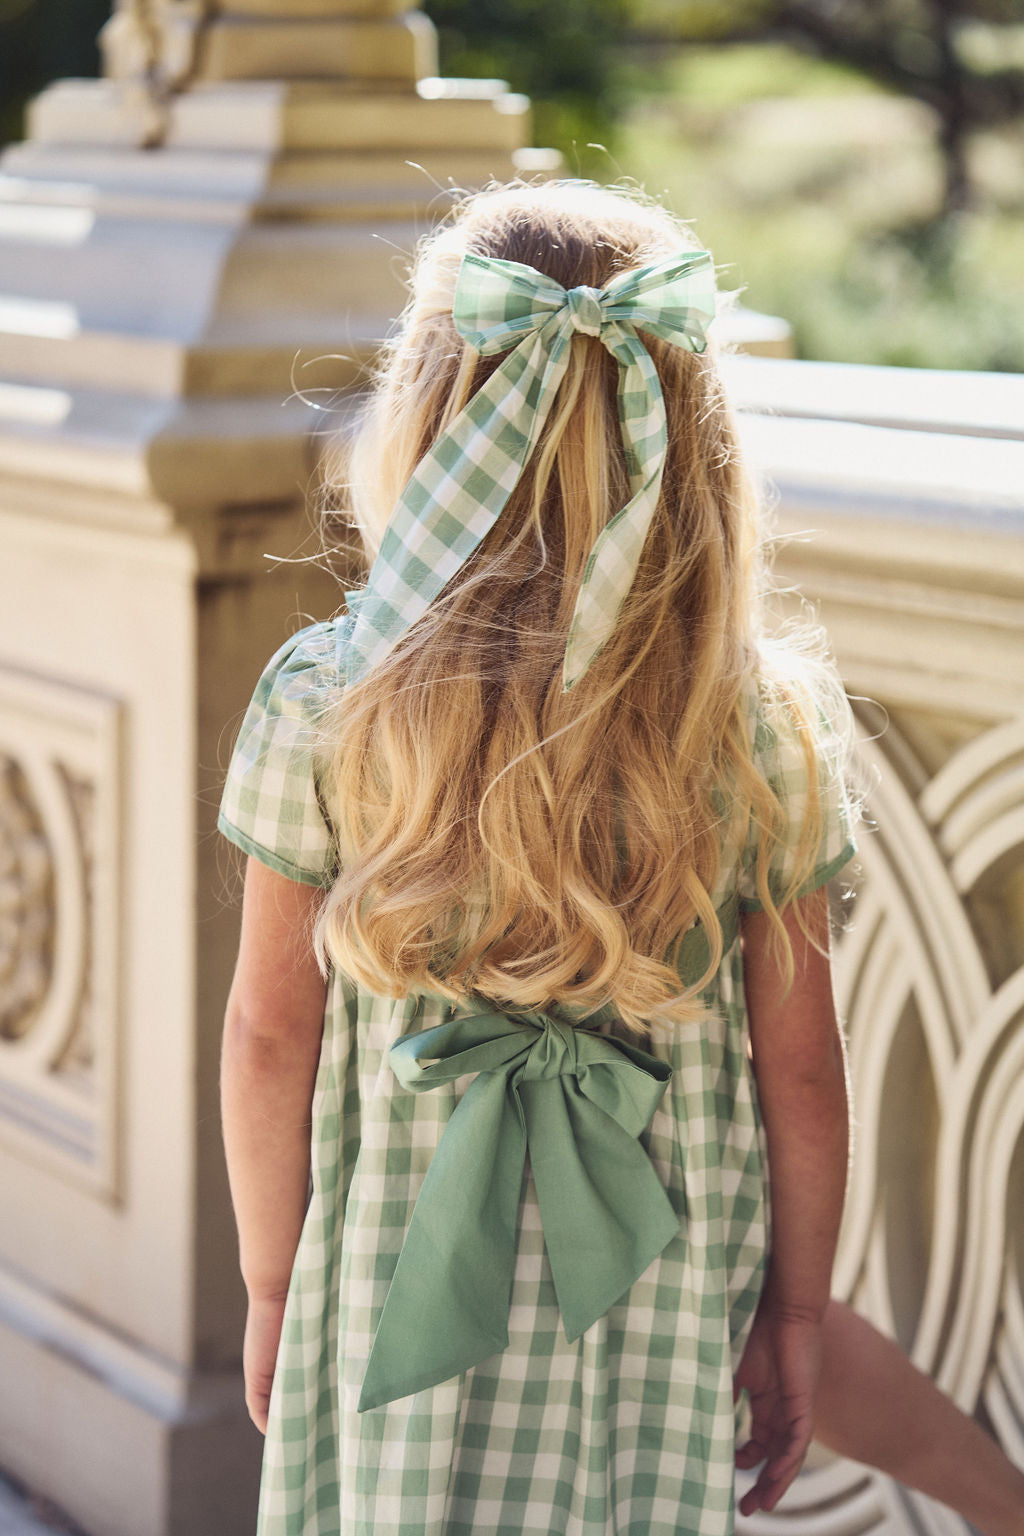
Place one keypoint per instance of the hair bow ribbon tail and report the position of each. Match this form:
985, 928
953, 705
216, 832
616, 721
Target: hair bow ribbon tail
456, 494
577, 1102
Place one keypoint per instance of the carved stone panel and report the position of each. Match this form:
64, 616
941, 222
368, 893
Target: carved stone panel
930, 979
60, 849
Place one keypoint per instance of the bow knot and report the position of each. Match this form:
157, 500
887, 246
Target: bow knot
585, 310
577, 1101
554, 1052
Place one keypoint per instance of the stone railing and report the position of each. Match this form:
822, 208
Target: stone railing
901, 516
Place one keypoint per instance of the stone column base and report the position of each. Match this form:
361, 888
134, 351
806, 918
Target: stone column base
143, 1450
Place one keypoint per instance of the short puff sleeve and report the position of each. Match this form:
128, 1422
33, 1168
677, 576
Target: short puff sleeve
781, 758
271, 807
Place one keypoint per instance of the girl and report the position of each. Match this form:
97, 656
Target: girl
534, 955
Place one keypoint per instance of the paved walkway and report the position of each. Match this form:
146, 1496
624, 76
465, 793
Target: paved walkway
23, 1515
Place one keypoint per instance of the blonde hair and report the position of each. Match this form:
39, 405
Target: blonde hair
496, 835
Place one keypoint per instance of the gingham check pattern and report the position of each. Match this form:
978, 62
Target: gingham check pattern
459, 489
270, 806
628, 1430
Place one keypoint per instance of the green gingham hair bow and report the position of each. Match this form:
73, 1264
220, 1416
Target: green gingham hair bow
459, 489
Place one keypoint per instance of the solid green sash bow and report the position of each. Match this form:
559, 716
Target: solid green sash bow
458, 490
578, 1101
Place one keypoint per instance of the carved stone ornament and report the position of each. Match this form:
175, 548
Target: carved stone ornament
930, 979
150, 46
27, 912
59, 863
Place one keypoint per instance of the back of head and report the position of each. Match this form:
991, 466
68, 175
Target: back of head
498, 835
577, 234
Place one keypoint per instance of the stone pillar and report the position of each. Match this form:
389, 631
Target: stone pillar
195, 253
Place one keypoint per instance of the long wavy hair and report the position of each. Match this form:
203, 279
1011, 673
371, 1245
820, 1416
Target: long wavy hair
497, 836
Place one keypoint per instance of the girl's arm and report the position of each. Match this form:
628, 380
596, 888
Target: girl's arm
271, 1047
801, 1081
876, 1407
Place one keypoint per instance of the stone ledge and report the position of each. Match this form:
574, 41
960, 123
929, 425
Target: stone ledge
136, 1465
365, 48
925, 399
286, 114
317, 9
942, 480
57, 189
911, 545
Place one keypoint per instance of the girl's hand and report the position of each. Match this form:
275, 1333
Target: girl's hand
779, 1369
259, 1354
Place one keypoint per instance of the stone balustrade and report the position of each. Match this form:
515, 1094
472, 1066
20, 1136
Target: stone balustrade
900, 515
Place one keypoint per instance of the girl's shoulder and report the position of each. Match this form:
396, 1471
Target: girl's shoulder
271, 805
798, 722
800, 730
304, 668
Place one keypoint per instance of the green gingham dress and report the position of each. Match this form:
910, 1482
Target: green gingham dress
629, 1430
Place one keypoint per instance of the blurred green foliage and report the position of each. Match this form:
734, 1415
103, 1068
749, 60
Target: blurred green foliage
824, 204
563, 53
819, 182
713, 20
879, 211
